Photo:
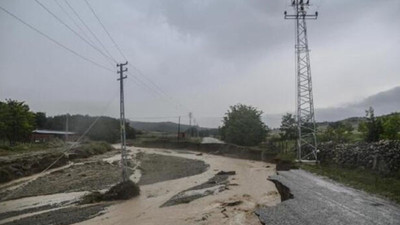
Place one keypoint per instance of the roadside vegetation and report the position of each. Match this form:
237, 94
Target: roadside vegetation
30, 147
359, 178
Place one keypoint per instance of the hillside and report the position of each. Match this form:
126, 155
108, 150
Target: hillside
384, 103
158, 126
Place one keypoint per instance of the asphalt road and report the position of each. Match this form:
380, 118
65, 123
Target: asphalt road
320, 201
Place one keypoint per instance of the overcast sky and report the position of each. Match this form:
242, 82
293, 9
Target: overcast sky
205, 55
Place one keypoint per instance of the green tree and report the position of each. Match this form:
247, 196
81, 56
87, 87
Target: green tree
3, 118
242, 125
338, 132
40, 119
105, 129
372, 128
391, 127
17, 121
288, 127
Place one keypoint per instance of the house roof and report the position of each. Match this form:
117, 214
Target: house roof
52, 132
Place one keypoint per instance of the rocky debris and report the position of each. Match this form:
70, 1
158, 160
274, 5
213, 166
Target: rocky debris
383, 156
63, 216
216, 184
121, 191
226, 172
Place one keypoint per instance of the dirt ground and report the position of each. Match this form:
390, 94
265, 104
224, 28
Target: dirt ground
79, 177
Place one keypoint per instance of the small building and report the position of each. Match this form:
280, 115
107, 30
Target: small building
47, 135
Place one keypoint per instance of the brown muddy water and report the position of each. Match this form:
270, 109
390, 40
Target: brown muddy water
162, 174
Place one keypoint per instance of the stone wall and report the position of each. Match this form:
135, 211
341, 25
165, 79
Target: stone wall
383, 156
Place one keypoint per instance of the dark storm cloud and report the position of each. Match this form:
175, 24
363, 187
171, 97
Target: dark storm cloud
206, 54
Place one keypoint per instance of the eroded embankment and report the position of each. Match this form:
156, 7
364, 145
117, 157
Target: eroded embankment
79, 177
285, 194
283, 190
21, 165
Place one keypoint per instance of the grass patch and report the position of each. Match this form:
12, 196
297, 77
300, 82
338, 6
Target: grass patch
91, 148
366, 180
30, 147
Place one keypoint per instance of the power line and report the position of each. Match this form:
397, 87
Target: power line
73, 20
54, 41
154, 117
105, 29
91, 32
72, 30
155, 88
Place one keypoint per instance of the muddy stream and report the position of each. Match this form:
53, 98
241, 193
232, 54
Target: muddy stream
231, 200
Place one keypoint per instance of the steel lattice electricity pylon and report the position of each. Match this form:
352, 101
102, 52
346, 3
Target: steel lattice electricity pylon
307, 141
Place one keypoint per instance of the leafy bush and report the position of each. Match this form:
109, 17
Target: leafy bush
243, 126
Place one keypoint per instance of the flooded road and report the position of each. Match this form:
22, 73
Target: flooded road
250, 188
321, 201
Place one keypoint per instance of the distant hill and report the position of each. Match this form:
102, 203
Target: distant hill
157, 126
169, 127
384, 102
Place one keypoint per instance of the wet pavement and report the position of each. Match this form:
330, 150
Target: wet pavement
320, 201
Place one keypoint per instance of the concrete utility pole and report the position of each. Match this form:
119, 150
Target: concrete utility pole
122, 120
307, 141
190, 124
66, 127
179, 128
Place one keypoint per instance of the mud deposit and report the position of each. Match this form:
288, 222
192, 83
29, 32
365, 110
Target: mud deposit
16, 166
156, 168
82, 177
216, 184
62, 216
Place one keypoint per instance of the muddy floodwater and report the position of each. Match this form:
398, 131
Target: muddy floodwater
177, 187
249, 188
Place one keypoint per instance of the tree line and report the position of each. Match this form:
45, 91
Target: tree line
369, 129
17, 122
243, 125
